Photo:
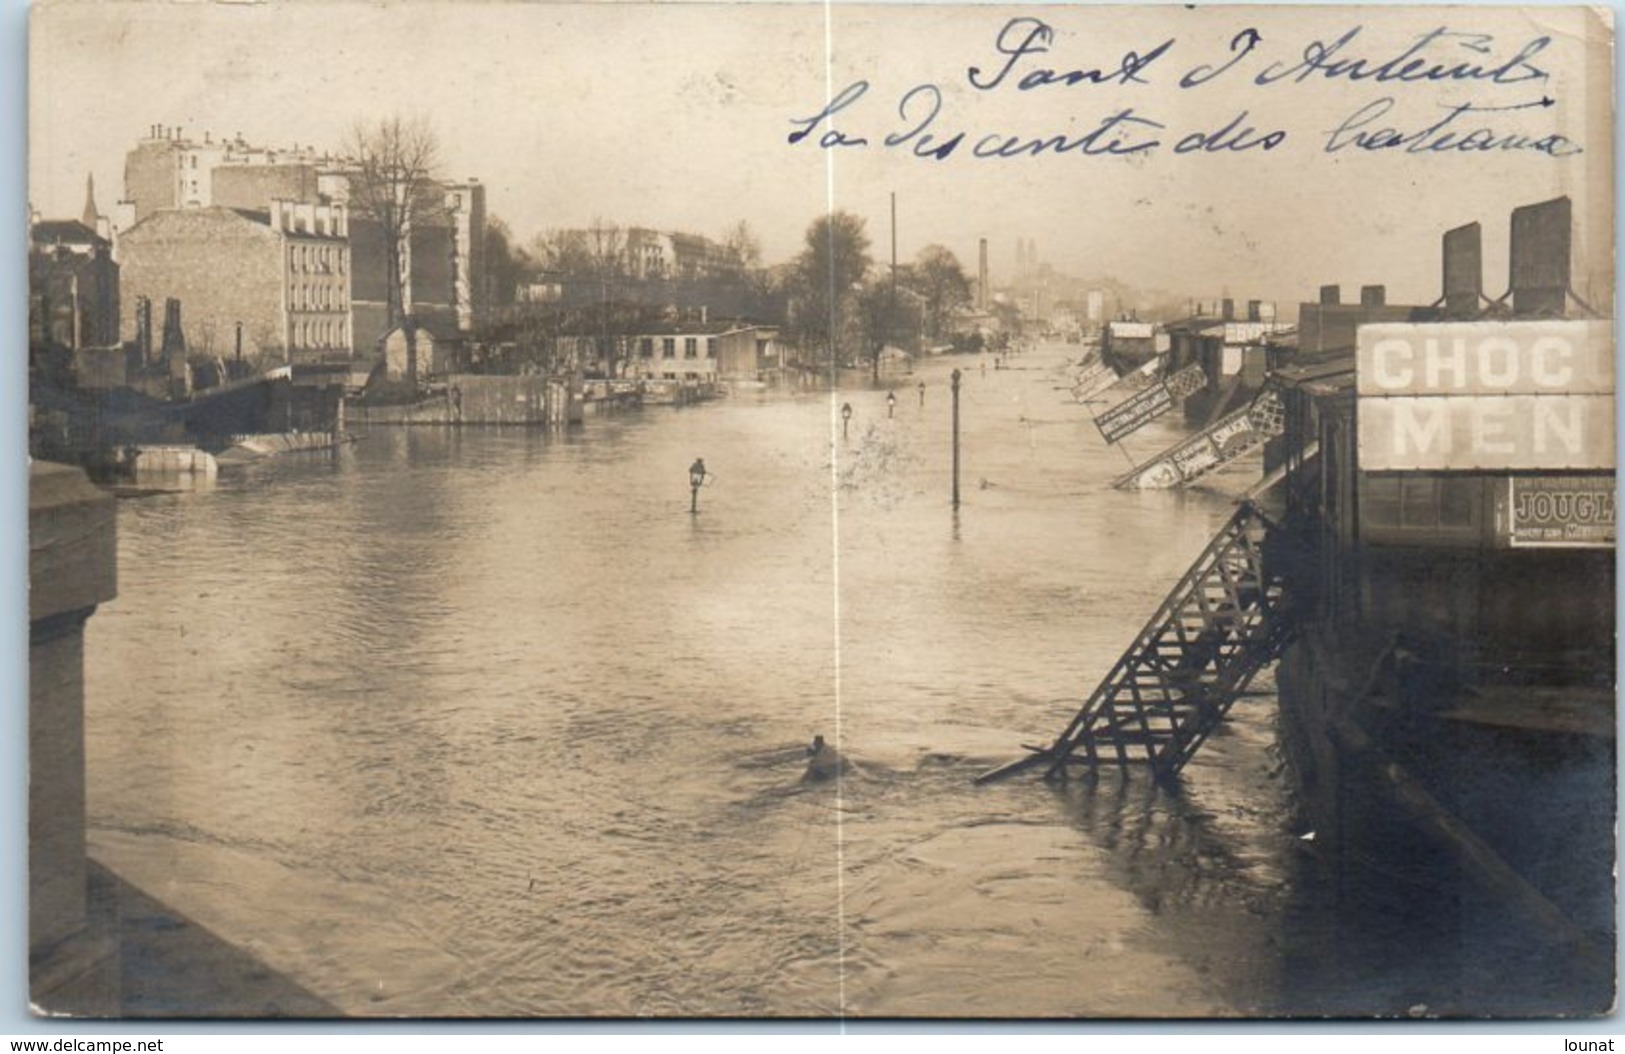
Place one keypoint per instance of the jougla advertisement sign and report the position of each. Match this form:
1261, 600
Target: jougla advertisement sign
1561, 511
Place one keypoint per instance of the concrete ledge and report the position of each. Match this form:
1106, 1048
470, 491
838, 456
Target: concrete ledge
72, 547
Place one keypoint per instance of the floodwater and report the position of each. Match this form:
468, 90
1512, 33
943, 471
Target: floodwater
484, 722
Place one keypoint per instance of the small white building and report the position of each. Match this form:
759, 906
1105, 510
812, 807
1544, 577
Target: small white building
701, 351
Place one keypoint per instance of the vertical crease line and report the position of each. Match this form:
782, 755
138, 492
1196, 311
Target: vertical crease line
835, 530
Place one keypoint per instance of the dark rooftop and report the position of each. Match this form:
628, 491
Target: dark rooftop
65, 232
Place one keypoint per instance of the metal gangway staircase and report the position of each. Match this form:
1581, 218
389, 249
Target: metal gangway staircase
1218, 627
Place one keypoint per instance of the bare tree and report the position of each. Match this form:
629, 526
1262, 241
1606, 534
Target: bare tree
744, 248
606, 250
394, 185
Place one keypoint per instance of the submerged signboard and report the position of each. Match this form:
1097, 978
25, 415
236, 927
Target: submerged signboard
1219, 444
1143, 407
1516, 396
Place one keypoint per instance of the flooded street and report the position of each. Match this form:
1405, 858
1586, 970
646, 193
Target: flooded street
483, 722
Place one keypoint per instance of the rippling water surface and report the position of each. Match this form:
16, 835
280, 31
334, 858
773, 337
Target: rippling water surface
484, 722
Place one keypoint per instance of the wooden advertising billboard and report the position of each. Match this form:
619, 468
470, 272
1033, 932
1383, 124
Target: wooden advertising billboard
1539, 257
1463, 271
1476, 396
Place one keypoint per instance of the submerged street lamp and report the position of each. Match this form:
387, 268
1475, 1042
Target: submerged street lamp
846, 416
696, 480
891, 403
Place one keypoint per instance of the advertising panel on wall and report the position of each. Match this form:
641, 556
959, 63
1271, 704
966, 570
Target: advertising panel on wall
1472, 396
1561, 511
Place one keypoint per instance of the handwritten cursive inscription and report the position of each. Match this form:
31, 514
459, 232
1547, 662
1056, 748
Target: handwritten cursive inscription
1035, 37
1121, 119
1413, 65
1455, 131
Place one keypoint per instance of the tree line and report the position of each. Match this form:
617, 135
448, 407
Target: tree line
833, 304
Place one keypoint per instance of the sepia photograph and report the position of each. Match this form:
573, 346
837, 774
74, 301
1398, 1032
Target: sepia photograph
797, 511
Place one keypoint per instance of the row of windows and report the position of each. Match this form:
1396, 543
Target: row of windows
318, 333
668, 347
325, 259
1420, 502
304, 296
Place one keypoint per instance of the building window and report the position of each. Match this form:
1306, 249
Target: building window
646, 347
668, 347
691, 347
711, 347
1414, 506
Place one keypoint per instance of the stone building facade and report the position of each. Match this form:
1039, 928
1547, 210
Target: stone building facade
168, 170
272, 285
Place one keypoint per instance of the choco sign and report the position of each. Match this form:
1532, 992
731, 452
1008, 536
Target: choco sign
1485, 395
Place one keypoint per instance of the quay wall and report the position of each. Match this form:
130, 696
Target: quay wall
72, 559
481, 399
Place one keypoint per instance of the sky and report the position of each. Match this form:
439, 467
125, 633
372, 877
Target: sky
678, 116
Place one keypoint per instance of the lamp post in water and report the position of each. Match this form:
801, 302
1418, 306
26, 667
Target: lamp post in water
696, 480
891, 404
846, 417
